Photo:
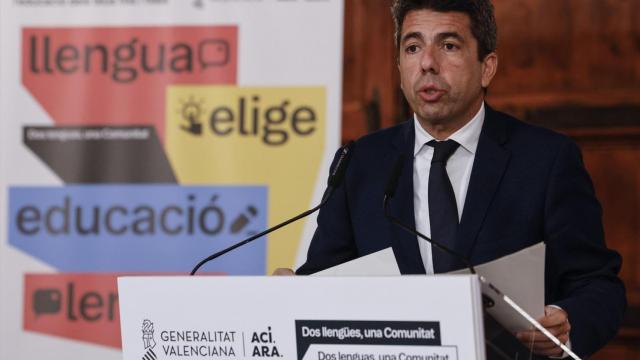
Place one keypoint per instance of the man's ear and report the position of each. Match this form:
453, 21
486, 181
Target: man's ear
489, 68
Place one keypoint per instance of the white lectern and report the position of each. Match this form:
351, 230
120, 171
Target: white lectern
319, 318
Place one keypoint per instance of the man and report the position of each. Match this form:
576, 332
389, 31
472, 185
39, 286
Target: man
479, 181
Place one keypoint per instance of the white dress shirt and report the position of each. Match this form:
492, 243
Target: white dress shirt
458, 167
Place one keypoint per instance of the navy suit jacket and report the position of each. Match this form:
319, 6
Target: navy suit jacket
527, 185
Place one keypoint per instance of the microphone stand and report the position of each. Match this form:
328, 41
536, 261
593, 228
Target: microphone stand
389, 191
335, 179
395, 220
325, 198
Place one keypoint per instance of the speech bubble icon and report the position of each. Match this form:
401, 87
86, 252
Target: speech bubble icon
213, 52
47, 301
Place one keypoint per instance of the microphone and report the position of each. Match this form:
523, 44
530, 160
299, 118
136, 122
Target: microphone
335, 179
336, 176
390, 191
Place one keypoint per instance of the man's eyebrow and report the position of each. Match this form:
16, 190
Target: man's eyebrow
450, 34
439, 37
412, 35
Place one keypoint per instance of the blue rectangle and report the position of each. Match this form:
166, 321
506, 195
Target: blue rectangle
154, 228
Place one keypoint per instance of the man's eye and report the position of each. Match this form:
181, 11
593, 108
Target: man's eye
411, 49
450, 46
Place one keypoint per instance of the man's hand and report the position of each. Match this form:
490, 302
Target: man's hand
283, 272
556, 321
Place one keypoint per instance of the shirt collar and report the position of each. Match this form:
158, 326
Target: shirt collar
467, 136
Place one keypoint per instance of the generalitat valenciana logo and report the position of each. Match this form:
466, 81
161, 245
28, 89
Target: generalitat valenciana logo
148, 341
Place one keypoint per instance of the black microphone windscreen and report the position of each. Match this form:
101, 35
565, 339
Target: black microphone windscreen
336, 176
392, 183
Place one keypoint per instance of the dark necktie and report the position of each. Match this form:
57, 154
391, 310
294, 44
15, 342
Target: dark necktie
443, 211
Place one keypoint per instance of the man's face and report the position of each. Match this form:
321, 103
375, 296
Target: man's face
440, 73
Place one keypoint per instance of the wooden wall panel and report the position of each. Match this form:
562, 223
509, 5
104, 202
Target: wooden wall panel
552, 54
612, 157
370, 73
569, 45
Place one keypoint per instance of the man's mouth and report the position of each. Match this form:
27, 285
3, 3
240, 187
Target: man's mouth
430, 93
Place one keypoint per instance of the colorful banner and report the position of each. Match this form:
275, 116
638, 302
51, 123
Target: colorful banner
140, 136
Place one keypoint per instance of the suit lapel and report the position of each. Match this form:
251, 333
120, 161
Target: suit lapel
488, 168
405, 245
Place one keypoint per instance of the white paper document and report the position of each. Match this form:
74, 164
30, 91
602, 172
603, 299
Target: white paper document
381, 263
520, 276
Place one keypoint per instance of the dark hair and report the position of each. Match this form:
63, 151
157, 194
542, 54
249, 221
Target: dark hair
480, 12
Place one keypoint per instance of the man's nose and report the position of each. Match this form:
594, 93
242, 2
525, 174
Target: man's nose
429, 62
